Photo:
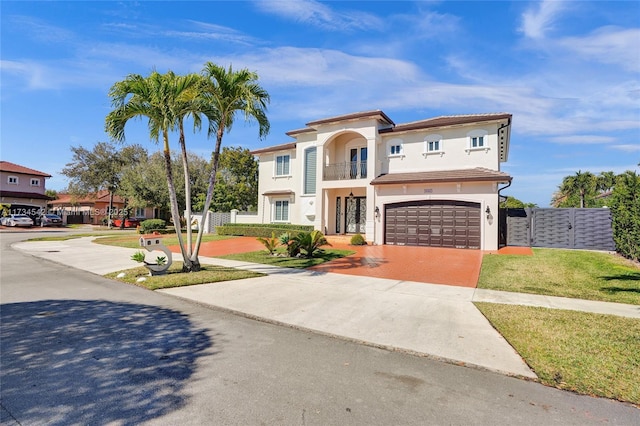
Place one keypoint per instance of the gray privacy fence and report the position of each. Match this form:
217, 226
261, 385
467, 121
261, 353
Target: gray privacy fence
557, 228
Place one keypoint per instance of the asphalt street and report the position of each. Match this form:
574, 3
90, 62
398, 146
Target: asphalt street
80, 349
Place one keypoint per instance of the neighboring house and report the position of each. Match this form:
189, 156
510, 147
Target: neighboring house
23, 188
93, 208
433, 182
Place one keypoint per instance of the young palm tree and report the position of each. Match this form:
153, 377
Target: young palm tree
229, 93
581, 184
161, 99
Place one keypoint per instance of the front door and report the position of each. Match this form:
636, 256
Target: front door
356, 215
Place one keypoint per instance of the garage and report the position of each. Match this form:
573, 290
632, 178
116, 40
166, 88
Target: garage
433, 223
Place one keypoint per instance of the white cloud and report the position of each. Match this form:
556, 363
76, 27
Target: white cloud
582, 139
609, 45
627, 147
537, 22
320, 15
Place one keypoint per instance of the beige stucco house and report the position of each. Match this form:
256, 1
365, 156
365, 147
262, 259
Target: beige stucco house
432, 182
22, 189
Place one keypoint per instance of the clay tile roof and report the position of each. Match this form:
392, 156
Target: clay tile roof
18, 194
376, 113
479, 174
449, 120
7, 166
281, 147
278, 192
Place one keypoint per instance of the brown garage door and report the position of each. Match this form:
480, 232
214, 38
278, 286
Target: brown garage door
454, 224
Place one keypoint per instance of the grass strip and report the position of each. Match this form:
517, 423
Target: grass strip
588, 353
132, 241
263, 256
175, 277
578, 274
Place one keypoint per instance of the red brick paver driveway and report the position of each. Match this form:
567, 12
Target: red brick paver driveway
404, 263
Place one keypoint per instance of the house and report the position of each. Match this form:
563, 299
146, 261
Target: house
432, 182
94, 208
23, 189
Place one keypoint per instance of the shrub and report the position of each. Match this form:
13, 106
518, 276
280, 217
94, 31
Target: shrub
288, 240
358, 240
625, 212
260, 230
150, 225
269, 243
311, 242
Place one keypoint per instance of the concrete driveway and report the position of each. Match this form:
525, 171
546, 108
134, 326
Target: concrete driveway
403, 263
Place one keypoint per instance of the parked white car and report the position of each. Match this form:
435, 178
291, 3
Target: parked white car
18, 220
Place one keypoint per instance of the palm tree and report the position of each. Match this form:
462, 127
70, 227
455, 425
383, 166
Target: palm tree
581, 184
230, 92
193, 105
161, 99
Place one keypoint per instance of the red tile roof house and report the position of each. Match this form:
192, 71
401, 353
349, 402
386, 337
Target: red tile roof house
93, 209
433, 182
23, 189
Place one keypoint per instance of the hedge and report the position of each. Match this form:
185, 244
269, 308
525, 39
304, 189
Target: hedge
150, 225
263, 230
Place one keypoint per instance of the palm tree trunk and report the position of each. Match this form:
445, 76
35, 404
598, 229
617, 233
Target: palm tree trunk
212, 183
187, 189
175, 212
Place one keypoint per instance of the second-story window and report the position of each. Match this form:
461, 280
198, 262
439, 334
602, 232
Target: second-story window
395, 148
282, 165
12, 180
35, 182
477, 141
310, 170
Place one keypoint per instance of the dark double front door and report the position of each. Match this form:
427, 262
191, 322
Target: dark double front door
353, 217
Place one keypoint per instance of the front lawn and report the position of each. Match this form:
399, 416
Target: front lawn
132, 241
578, 274
175, 278
263, 256
587, 353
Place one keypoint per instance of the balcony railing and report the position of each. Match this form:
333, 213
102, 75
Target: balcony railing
348, 170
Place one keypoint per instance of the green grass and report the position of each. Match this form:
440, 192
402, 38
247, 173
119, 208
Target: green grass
175, 278
576, 274
86, 234
132, 241
262, 256
587, 353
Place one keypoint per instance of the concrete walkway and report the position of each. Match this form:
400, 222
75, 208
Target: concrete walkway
432, 320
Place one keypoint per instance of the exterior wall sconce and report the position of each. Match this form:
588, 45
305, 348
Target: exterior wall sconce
351, 195
488, 212
377, 211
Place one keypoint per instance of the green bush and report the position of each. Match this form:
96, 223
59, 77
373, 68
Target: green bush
261, 230
150, 225
358, 240
625, 213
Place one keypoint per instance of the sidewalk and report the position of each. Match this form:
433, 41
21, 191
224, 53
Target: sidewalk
438, 321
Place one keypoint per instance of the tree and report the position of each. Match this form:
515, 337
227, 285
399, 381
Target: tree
100, 168
578, 190
625, 212
231, 92
164, 100
236, 182
514, 203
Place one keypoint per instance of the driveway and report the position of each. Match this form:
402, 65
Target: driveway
420, 264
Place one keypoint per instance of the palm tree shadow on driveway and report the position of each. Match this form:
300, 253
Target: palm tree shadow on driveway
95, 362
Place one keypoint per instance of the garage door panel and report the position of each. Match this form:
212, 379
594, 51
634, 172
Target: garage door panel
454, 224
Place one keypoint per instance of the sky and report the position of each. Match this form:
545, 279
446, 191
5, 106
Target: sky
568, 71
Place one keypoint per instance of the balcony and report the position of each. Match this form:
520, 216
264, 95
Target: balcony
344, 171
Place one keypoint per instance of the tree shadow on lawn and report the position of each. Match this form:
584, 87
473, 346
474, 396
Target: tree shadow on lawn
96, 362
